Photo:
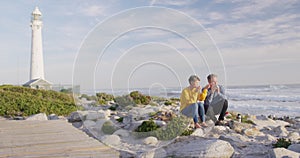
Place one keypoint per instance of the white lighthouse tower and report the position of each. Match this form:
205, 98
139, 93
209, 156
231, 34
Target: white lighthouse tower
37, 77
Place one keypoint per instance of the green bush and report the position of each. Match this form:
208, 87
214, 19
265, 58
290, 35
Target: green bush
174, 128
282, 143
139, 98
147, 126
187, 132
167, 103
120, 119
103, 98
89, 98
22, 101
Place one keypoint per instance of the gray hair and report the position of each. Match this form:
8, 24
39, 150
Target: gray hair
210, 76
193, 78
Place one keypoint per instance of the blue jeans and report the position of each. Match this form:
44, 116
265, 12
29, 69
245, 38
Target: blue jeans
195, 110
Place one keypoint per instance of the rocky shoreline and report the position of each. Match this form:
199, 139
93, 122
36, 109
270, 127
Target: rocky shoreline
255, 136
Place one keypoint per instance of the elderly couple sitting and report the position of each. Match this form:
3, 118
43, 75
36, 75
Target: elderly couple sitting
197, 102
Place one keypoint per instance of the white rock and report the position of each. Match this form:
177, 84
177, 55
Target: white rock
150, 141
112, 140
295, 148
219, 129
252, 132
40, 117
198, 132
282, 153
294, 136
199, 147
53, 117
122, 133
93, 115
89, 123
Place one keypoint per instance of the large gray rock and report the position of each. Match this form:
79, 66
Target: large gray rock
295, 148
280, 131
193, 146
284, 153
94, 115
39, 117
77, 116
111, 140
122, 133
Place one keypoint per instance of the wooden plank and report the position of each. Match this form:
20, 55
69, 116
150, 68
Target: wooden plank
55, 138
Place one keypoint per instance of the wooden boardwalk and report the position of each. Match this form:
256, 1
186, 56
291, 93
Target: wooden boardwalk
55, 138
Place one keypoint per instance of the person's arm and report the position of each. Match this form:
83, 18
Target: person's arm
183, 99
209, 97
202, 95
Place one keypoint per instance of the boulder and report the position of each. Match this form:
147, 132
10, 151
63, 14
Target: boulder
238, 126
295, 148
294, 136
280, 131
39, 117
282, 152
94, 115
53, 117
77, 124
77, 116
89, 123
111, 140
193, 146
252, 132
198, 132
122, 133
150, 141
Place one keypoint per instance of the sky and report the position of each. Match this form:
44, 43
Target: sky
153, 43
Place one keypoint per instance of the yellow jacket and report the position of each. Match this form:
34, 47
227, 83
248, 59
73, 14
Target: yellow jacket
189, 97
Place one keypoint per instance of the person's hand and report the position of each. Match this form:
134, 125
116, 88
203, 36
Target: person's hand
198, 88
207, 86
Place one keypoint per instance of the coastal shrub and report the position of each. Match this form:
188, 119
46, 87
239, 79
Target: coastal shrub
108, 128
23, 101
139, 98
69, 90
167, 103
175, 99
187, 132
103, 98
282, 143
147, 126
113, 108
120, 119
124, 100
174, 128
88, 98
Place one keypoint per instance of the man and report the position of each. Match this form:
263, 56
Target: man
215, 101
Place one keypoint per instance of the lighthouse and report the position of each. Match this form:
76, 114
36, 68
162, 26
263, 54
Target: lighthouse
37, 76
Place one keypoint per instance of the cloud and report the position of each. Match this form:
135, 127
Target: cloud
94, 10
172, 2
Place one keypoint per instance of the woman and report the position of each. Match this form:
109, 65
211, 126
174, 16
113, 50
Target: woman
191, 101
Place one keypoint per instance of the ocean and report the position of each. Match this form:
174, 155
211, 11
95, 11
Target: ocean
278, 100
